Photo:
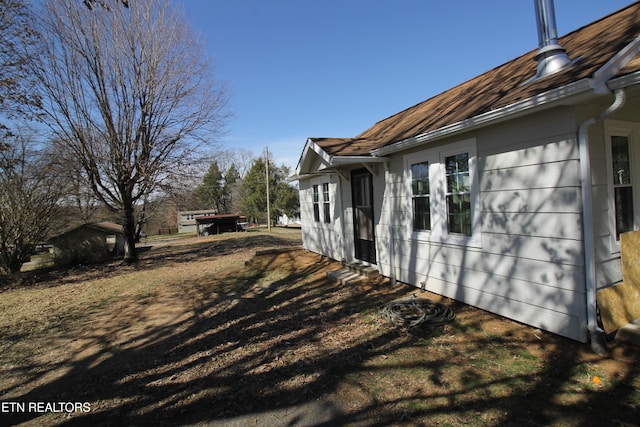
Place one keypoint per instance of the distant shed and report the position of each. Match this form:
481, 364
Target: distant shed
88, 244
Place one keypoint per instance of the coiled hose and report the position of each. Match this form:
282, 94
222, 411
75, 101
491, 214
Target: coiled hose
414, 311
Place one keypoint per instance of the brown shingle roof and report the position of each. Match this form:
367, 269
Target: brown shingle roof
593, 45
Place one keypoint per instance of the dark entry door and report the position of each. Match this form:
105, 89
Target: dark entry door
362, 196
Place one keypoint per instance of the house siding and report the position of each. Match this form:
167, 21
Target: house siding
608, 267
608, 264
529, 265
323, 238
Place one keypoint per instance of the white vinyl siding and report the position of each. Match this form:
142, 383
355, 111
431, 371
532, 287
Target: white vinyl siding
528, 260
320, 233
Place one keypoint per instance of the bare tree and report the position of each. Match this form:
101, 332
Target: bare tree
102, 3
17, 39
29, 193
130, 92
69, 171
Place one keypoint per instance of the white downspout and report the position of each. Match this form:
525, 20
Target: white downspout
392, 252
596, 334
340, 210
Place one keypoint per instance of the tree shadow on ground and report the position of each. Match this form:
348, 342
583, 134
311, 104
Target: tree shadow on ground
150, 258
279, 335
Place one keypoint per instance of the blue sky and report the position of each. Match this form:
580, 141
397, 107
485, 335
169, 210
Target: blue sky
333, 68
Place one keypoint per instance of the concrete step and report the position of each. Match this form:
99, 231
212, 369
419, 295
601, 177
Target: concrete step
630, 333
364, 270
344, 276
352, 272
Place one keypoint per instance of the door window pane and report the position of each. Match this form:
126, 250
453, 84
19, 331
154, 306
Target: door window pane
363, 209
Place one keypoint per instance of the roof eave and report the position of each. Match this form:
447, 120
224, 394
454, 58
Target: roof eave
311, 146
299, 177
334, 162
539, 102
351, 160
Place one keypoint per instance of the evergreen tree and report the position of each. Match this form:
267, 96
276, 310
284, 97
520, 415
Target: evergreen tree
209, 194
231, 179
282, 196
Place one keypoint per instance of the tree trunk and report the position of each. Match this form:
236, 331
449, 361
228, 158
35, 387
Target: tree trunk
129, 230
140, 222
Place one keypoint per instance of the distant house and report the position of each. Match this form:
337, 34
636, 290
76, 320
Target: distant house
88, 244
187, 220
285, 220
508, 192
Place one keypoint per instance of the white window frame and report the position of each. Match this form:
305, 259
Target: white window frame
326, 202
630, 130
439, 232
321, 203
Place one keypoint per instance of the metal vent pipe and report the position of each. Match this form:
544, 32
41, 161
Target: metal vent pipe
551, 56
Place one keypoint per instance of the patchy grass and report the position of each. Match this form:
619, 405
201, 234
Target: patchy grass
200, 331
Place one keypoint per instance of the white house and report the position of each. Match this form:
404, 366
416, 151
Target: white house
507, 192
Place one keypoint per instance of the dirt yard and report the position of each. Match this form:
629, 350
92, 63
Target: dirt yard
203, 332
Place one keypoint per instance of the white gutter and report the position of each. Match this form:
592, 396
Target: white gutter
624, 81
596, 334
322, 172
546, 99
348, 160
340, 209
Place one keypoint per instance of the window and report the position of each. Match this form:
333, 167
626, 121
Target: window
622, 162
443, 192
326, 203
622, 186
316, 204
458, 193
421, 196
321, 202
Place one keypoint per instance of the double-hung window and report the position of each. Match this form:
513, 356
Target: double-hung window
458, 193
622, 185
421, 196
326, 202
321, 203
622, 161
442, 187
316, 203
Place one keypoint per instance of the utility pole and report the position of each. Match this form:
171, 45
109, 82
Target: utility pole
268, 203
